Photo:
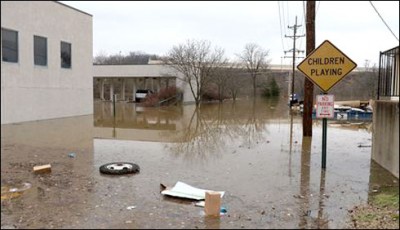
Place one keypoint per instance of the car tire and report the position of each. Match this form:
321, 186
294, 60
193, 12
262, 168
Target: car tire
119, 168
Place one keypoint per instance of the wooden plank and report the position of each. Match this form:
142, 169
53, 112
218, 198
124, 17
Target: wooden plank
42, 168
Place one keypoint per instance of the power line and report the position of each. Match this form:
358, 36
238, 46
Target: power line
280, 23
303, 20
284, 22
383, 20
287, 11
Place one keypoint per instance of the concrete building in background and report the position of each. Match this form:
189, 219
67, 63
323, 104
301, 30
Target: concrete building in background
150, 76
46, 66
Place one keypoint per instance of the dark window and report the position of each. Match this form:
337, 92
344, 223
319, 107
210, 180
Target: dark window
40, 50
9, 45
65, 55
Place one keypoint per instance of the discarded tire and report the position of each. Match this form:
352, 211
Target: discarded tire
119, 168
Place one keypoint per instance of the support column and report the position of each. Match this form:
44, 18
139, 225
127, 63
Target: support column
111, 90
158, 84
152, 84
134, 89
102, 89
145, 82
167, 83
123, 90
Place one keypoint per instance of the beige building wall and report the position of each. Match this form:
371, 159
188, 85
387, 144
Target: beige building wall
385, 139
31, 92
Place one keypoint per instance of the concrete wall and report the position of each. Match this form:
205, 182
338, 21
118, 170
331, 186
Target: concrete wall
30, 92
140, 71
385, 140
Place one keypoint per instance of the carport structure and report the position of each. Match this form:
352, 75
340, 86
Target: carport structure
151, 76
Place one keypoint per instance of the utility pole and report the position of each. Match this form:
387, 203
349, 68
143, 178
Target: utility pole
308, 85
294, 27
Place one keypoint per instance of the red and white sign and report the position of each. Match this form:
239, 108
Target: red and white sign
325, 106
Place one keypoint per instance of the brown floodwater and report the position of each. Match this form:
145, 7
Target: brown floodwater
252, 150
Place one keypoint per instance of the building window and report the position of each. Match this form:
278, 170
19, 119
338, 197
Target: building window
65, 55
40, 50
9, 45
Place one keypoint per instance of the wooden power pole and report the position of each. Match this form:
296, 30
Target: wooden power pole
294, 50
308, 85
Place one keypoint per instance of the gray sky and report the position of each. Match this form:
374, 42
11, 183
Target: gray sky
155, 27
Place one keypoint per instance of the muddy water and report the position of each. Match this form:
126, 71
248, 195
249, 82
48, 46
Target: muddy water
252, 150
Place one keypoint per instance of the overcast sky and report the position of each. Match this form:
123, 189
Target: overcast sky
155, 27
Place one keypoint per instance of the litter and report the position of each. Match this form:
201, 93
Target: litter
130, 207
72, 155
25, 186
213, 204
223, 210
8, 192
200, 204
42, 168
186, 191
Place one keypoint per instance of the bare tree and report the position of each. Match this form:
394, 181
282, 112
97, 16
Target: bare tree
235, 84
254, 58
222, 77
134, 57
100, 58
196, 61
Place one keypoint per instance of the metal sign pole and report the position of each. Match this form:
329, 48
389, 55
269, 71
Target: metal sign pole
324, 134
324, 124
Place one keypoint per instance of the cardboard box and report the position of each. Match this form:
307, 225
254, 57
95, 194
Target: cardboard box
212, 204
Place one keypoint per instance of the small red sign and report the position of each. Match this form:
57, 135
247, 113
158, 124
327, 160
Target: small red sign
325, 106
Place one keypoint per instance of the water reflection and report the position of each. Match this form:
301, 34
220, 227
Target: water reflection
308, 217
195, 131
322, 222
305, 181
134, 116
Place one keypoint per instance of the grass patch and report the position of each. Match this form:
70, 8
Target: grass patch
382, 210
389, 197
386, 200
366, 217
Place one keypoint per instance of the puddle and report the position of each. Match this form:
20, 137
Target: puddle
252, 150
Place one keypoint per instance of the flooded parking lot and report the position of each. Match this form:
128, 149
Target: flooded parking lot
252, 150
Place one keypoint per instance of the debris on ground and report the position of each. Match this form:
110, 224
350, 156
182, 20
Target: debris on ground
119, 168
183, 190
364, 146
71, 155
42, 168
8, 192
223, 210
212, 204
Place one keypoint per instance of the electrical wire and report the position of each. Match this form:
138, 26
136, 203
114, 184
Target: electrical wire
383, 20
280, 23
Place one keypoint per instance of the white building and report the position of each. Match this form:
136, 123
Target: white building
46, 66
150, 76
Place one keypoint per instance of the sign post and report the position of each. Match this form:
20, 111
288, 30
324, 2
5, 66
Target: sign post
325, 110
325, 67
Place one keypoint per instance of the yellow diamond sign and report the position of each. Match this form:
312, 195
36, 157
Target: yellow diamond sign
326, 66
